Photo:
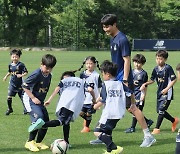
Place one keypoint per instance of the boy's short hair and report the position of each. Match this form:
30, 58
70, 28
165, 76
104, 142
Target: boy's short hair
162, 53
48, 60
109, 67
16, 52
178, 67
67, 73
109, 19
139, 58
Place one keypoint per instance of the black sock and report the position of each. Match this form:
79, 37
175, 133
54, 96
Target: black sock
168, 117
159, 120
88, 123
66, 129
32, 135
41, 134
134, 122
107, 139
9, 102
52, 123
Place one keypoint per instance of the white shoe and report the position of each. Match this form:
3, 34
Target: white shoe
148, 141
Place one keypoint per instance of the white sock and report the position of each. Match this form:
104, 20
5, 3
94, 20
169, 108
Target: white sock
146, 132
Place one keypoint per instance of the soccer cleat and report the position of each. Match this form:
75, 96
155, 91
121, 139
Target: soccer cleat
130, 130
148, 141
97, 141
149, 123
37, 125
85, 130
155, 131
31, 146
174, 124
42, 146
9, 111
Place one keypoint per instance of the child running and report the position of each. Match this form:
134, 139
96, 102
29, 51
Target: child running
93, 78
140, 76
17, 70
36, 87
165, 78
72, 94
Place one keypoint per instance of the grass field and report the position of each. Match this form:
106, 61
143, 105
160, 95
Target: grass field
13, 128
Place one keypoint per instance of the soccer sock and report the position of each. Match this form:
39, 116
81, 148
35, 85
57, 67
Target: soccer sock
52, 123
9, 102
88, 123
32, 135
159, 120
134, 122
168, 116
41, 134
107, 139
146, 132
66, 129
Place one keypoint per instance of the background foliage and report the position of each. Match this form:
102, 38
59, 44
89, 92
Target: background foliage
75, 24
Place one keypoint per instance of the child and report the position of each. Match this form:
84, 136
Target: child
36, 87
178, 134
71, 100
93, 78
139, 77
17, 70
165, 78
114, 101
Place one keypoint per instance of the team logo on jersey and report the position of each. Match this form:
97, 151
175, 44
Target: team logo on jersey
139, 77
41, 82
115, 47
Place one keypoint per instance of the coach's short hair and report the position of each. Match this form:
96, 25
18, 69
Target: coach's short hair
109, 19
162, 53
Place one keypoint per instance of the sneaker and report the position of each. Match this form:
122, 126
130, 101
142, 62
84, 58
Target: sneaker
174, 124
155, 131
97, 141
37, 125
42, 146
9, 111
31, 146
148, 141
130, 130
85, 130
117, 151
149, 123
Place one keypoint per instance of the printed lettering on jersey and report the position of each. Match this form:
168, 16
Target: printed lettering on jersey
43, 90
115, 93
160, 79
136, 82
71, 84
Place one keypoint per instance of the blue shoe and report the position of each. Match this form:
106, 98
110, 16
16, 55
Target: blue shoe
37, 125
130, 130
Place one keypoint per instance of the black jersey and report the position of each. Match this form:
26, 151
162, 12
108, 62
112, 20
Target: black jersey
15, 69
38, 83
139, 77
163, 77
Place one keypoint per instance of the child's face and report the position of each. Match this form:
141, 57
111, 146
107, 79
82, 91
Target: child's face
90, 65
15, 58
109, 29
45, 70
137, 65
106, 76
160, 61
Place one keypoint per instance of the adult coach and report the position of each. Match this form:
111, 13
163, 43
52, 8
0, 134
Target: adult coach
121, 55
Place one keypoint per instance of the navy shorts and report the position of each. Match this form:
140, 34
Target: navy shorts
108, 127
65, 116
163, 103
12, 91
86, 108
38, 111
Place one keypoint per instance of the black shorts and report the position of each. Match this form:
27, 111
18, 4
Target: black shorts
108, 127
86, 108
65, 116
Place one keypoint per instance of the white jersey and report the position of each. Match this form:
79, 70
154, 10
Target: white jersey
72, 95
115, 101
94, 79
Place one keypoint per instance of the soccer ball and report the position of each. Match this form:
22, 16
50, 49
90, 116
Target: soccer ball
59, 146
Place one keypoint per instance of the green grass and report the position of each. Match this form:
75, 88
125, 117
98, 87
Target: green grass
13, 128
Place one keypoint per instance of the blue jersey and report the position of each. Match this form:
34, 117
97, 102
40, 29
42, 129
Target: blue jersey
139, 77
120, 48
163, 77
15, 69
38, 83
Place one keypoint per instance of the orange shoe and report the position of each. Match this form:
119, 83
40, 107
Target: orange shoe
174, 124
85, 130
155, 131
